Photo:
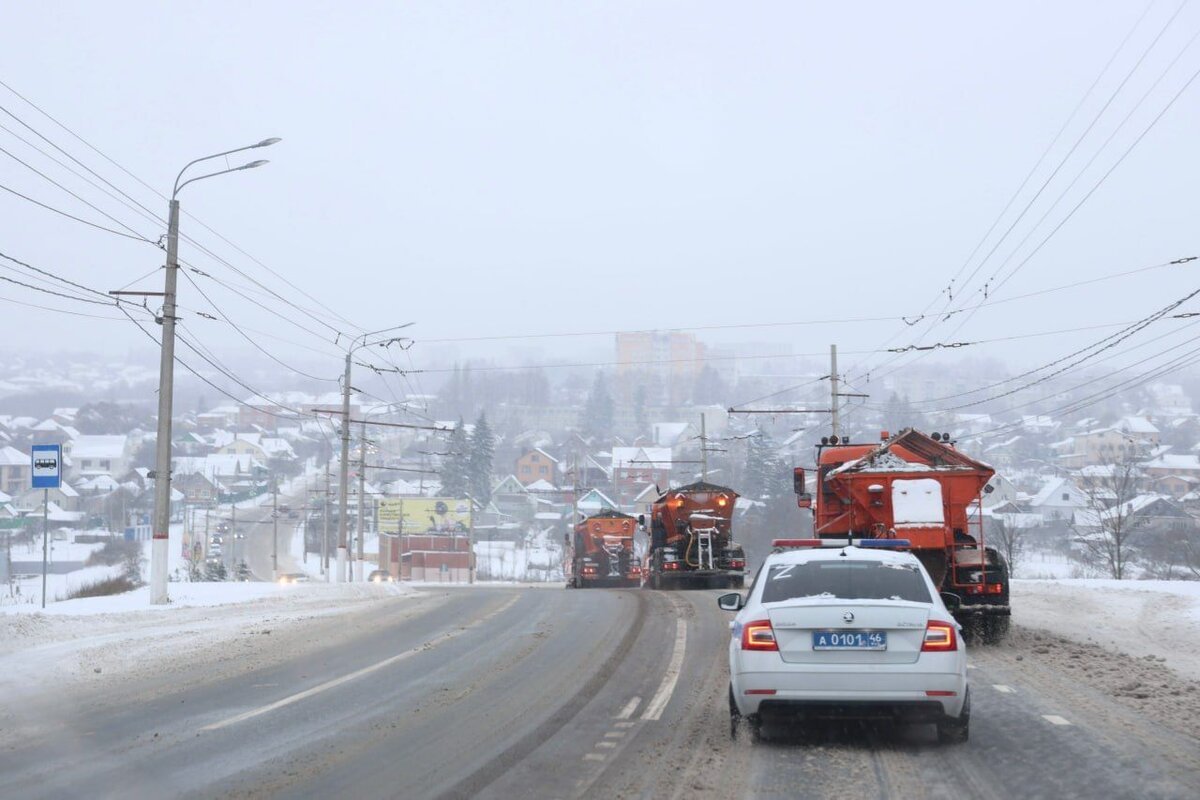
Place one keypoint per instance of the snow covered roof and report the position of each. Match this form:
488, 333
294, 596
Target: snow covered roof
669, 433
541, 485
1175, 461
12, 457
1136, 425
641, 457
99, 446
1053, 488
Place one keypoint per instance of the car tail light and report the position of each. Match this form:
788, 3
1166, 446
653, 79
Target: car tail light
759, 635
939, 693
939, 638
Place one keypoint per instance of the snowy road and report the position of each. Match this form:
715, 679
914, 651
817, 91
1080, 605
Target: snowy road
517, 692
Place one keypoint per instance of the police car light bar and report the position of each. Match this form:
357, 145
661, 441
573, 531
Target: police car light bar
790, 544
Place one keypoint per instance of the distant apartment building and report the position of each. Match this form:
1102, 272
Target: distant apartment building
676, 357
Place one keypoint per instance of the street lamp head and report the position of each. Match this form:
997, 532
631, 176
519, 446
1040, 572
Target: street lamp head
254, 164
269, 142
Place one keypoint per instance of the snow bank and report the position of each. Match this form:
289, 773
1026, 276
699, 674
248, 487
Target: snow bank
1158, 619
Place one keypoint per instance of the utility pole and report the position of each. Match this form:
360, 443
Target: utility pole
204, 550
233, 537
275, 530
703, 450
362, 482
344, 479
161, 521
833, 387
325, 525
162, 445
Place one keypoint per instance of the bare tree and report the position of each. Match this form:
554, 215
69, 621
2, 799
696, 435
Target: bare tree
1109, 526
1009, 540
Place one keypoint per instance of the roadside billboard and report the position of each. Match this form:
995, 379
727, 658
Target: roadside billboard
424, 515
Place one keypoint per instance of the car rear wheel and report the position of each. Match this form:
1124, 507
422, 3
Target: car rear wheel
956, 730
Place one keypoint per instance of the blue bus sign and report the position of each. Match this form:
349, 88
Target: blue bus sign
47, 466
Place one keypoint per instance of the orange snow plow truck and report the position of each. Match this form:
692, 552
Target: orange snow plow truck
602, 552
922, 490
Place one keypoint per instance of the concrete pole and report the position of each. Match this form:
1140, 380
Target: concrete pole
275, 531
833, 390
166, 389
362, 481
703, 451
344, 479
325, 526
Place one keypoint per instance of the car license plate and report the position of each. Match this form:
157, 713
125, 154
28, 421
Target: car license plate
849, 640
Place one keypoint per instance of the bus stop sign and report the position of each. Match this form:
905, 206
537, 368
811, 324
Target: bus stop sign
47, 466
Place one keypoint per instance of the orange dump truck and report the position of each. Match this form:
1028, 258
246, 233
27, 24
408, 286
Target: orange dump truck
921, 489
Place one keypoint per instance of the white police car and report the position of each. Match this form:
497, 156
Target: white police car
830, 629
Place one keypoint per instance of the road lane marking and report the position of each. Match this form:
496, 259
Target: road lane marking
624, 724
629, 708
1054, 719
335, 682
1000, 687
606, 745
614, 734
593, 756
659, 702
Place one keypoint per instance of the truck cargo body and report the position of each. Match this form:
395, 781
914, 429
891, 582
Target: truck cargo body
602, 552
920, 489
691, 539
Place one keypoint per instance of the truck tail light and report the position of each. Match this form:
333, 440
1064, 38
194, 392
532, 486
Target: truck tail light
939, 638
737, 563
759, 635
671, 565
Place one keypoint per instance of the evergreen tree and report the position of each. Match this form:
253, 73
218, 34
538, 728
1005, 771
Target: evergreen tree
709, 388
479, 465
455, 465
639, 409
598, 411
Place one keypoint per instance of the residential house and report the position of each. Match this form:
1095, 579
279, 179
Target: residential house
197, 489
1168, 464
65, 497
1058, 500
1002, 491
93, 455
1151, 513
16, 469
1110, 445
535, 465
634, 467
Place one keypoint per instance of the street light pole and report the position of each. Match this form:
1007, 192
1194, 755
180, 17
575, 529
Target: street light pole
362, 481
166, 381
344, 480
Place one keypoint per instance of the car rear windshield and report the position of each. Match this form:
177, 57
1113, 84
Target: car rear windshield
845, 579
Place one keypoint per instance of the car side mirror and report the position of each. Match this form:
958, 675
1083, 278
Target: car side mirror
952, 601
798, 481
730, 602
641, 520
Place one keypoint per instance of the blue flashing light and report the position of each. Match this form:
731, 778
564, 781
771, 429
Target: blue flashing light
894, 543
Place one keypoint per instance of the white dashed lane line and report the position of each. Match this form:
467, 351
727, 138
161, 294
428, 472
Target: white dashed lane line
593, 757
659, 702
629, 708
1054, 719
1000, 687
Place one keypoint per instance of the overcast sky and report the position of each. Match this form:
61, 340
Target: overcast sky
506, 168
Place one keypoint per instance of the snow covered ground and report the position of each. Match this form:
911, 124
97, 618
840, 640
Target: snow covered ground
1145, 619
123, 635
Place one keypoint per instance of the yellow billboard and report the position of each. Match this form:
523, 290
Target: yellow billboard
424, 515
